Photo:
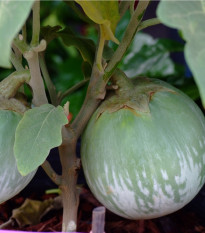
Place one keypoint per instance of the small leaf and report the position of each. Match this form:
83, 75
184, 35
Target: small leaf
189, 17
104, 13
85, 46
12, 17
37, 133
49, 33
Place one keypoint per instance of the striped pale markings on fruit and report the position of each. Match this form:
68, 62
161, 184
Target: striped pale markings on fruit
11, 181
148, 164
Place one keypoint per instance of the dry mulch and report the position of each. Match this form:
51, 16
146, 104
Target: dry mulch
187, 220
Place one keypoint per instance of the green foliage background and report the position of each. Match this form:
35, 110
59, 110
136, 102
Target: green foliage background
146, 56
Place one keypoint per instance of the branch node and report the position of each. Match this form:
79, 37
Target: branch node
41, 47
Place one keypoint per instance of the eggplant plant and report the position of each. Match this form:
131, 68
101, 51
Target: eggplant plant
143, 140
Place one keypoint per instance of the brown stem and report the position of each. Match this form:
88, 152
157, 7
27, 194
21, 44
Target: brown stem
69, 161
70, 195
16, 62
36, 81
95, 93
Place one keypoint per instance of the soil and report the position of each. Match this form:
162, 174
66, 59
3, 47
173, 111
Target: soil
190, 219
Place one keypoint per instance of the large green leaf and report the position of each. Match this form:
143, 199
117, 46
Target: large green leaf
12, 16
150, 57
189, 17
11, 181
37, 133
104, 13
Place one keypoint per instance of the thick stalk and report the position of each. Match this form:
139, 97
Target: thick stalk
95, 93
69, 161
132, 7
36, 81
70, 196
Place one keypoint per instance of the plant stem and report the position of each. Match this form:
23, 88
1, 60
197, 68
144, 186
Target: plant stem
36, 23
49, 83
32, 57
7, 224
132, 7
51, 173
24, 33
17, 53
95, 94
148, 23
72, 89
100, 49
36, 81
69, 161
10, 85
127, 38
21, 45
16, 62
70, 194
123, 7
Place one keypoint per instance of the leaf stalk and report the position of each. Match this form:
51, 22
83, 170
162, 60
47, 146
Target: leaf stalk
127, 38
148, 23
49, 83
51, 173
72, 89
36, 23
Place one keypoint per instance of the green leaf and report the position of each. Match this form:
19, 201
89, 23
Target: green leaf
11, 181
104, 13
12, 17
150, 57
37, 133
85, 46
189, 17
50, 33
